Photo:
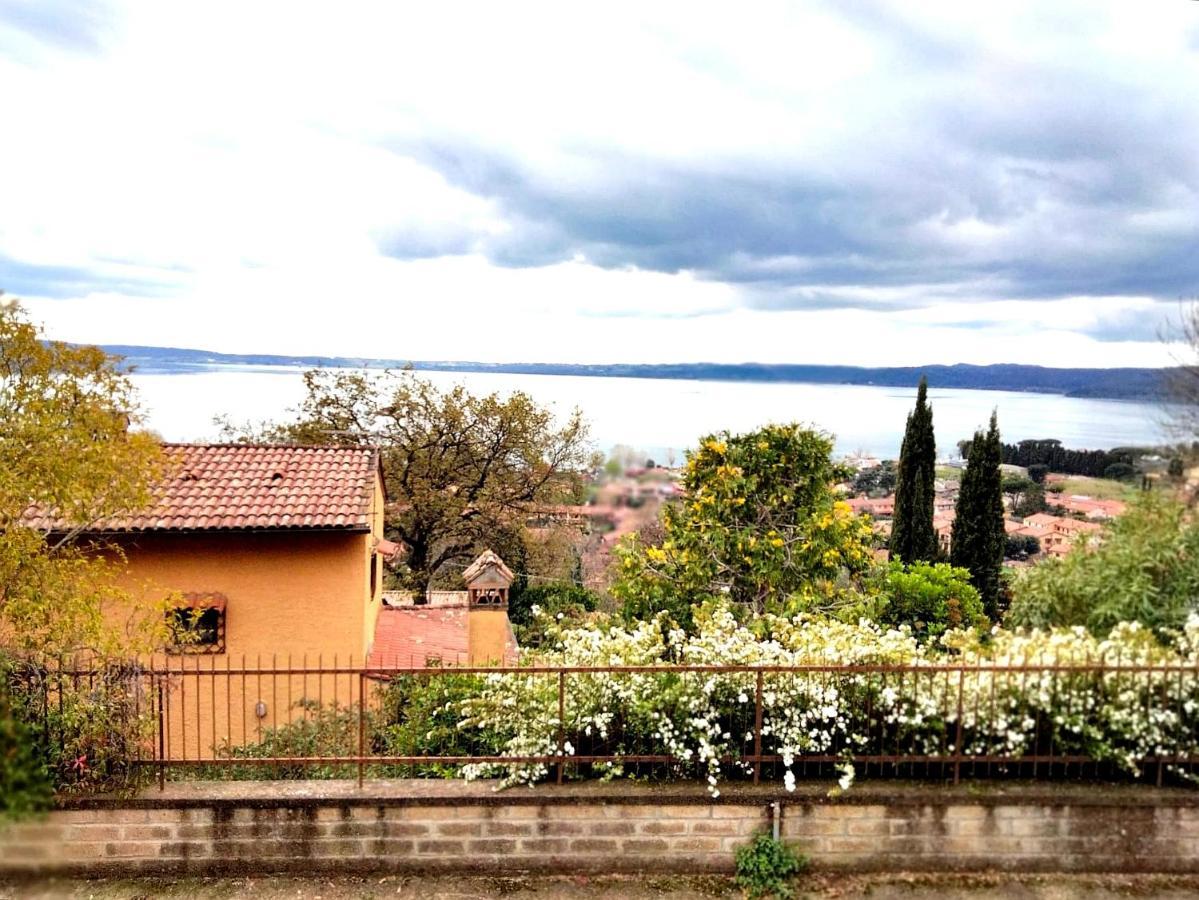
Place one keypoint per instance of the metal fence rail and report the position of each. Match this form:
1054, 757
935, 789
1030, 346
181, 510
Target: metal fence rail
212, 717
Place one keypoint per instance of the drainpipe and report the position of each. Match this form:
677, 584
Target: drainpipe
776, 809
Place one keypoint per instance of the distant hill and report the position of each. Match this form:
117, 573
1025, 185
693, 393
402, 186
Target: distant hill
1117, 384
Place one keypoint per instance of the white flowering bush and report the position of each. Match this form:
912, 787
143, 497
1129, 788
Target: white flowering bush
868, 691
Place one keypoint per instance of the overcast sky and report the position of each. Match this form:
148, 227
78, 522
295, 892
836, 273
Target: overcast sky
850, 182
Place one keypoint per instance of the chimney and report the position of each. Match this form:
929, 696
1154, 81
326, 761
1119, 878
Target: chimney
488, 632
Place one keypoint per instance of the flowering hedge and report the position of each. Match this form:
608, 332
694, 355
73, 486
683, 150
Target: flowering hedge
705, 721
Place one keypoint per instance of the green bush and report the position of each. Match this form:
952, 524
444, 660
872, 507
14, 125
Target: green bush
25, 782
766, 866
85, 732
323, 731
422, 716
1146, 569
929, 597
565, 597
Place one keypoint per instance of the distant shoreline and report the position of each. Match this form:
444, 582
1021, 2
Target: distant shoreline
1134, 384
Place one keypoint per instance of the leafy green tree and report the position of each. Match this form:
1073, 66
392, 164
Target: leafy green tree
1037, 472
458, 467
978, 535
758, 522
1145, 569
913, 538
1027, 496
1021, 546
875, 481
67, 452
1120, 471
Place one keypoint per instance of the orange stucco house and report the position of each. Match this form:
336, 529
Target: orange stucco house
279, 549
273, 558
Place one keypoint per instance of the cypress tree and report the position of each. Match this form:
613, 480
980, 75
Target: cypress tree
978, 535
912, 536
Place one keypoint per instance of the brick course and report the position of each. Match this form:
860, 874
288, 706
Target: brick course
451, 826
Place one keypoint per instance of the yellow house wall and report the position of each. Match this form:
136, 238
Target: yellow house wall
374, 601
294, 599
486, 636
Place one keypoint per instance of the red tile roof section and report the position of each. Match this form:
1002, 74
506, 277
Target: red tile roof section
424, 635
236, 487
418, 635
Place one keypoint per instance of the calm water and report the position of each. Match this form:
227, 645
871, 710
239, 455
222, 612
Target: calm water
661, 415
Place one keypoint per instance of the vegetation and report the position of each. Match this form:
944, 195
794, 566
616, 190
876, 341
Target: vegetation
1021, 546
417, 715
877, 481
26, 785
1053, 457
66, 449
978, 535
1111, 716
459, 468
554, 600
1099, 488
765, 868
68, 457
1026, 495
1146, 570
913, 538
928, 598
759, 522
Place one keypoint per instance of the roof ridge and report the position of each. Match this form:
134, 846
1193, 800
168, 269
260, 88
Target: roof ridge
263, 445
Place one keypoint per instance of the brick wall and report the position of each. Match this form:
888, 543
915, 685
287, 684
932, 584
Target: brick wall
450, 826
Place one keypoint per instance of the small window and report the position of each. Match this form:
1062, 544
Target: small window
197, 627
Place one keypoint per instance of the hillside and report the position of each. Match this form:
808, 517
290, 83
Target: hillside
1119, 384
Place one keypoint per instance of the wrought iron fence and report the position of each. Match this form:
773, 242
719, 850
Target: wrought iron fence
216, 717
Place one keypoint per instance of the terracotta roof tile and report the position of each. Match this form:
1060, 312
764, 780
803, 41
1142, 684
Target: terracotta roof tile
424, 635
418, 635
229, 487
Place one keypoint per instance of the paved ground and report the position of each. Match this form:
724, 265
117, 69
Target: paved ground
822, 887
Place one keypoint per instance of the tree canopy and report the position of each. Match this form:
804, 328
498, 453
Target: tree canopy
759, 522
462, 471
1145, 569
913, 538
67, 446
979, 540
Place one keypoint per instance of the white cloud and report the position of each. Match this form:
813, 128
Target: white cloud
255, 164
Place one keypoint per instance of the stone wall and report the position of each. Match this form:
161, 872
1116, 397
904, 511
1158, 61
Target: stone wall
248, 827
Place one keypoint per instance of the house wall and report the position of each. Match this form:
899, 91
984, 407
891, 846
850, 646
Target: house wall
294, 599
374, 600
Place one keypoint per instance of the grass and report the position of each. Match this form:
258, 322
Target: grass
1099, 488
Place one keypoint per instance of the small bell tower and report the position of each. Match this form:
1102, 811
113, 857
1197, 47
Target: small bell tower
487, 628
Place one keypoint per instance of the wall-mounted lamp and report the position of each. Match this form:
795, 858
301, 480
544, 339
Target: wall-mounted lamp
260, 709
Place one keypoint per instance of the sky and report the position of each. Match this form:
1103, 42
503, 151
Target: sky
888, 183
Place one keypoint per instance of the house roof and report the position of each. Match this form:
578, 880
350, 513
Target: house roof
420, 635
241, 487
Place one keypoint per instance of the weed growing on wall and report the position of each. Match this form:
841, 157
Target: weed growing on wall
766, 867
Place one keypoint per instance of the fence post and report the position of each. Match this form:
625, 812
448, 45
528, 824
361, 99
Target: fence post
561, 725
361, 727
957, 741
162, 728
758, 729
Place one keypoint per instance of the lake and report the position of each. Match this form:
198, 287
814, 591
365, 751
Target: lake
662, 415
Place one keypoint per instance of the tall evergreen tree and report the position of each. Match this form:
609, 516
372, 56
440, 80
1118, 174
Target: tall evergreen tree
912, 536
978, 535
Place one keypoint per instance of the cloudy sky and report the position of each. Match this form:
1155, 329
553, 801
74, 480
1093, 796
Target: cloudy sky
849, 182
